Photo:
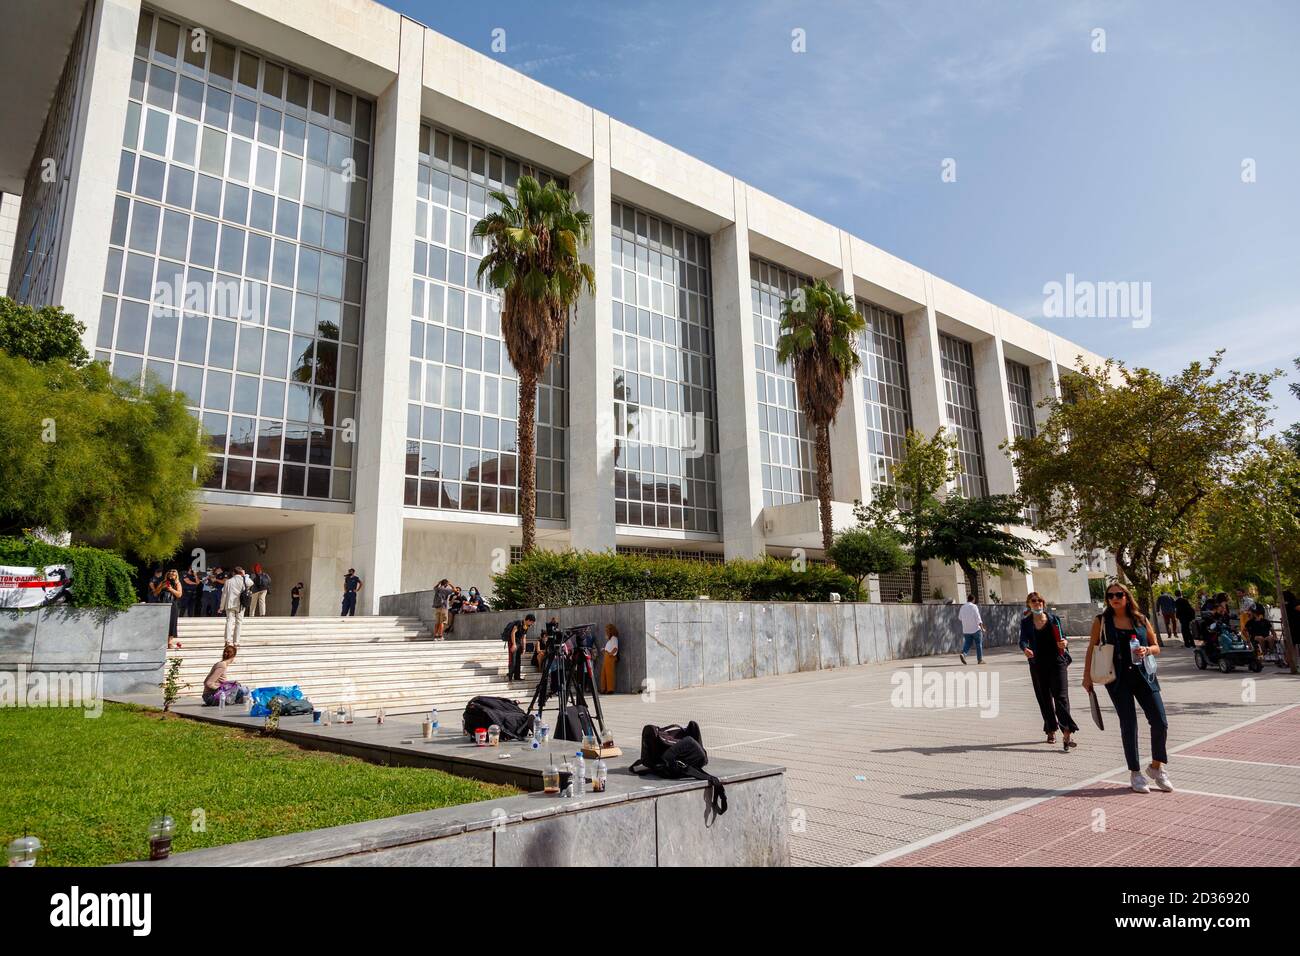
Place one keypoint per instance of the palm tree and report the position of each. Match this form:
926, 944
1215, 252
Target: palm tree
531, 258
819, 334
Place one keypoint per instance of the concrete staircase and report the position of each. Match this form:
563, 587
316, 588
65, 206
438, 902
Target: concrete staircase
371, 662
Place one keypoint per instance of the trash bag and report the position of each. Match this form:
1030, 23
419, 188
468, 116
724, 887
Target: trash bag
262, 698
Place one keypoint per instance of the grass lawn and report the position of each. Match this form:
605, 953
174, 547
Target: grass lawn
89, 787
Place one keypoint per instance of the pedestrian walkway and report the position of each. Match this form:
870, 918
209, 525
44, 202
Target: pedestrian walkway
873, 783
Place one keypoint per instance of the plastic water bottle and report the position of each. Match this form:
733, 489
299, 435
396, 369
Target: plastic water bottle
1133, 646
221, 700
600, 777
433, 720
579, 774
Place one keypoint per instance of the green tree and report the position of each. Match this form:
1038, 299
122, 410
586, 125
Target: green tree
532, 258
819, 336
98, 457
863, 551
1249, 530
971, 533
1125, 467
910, 502
41, 335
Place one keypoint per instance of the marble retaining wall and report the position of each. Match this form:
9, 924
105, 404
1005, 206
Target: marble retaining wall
128, 647
668, 825
678, 644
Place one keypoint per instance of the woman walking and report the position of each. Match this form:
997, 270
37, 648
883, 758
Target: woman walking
1124, 633
1044, 644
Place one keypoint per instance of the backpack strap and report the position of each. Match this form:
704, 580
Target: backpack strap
717, 792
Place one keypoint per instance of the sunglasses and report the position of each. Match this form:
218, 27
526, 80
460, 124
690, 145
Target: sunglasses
1115, 596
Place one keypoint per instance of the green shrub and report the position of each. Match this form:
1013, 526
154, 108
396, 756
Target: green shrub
100, 579
561, 579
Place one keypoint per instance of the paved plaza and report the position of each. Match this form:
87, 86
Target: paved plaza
871, 783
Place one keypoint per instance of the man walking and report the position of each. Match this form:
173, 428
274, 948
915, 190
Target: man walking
442, 593
295, 597
1186, 614
233, 602
1165, 605
972, 630
261, 588
351, 588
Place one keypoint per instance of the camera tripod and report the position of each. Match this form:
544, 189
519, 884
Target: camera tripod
568, 659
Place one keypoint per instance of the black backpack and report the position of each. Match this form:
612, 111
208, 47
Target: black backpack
506, 714
505, 634
676, 752
291, 707
574, 723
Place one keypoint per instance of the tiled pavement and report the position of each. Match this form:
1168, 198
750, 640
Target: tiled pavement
870, 782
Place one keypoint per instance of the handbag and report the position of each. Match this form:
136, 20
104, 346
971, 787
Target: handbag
1103, 665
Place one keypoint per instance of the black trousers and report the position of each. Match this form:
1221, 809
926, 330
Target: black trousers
1051, 687
516, 662
293, 606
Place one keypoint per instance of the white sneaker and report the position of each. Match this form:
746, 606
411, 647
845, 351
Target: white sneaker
1139, 782
1160, 778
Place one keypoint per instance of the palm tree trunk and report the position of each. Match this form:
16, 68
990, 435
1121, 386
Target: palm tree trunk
824, 483
528, 459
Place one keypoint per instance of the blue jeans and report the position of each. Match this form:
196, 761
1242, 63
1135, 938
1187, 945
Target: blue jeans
978, 640
1127, 692
349, 603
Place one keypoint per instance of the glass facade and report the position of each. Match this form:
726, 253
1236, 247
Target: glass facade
45, 193
462, 436
786, 443
963, 413
236, 265
885, 390
665, 395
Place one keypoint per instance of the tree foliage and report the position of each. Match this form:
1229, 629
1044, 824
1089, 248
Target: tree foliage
533, 257
973, 534
910, 503
96, 456
41, 335
1125, 466
819, 336
863, 551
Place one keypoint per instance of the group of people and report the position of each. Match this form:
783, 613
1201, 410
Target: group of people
208, 594
1212, 617
449, 601
518, 643
1121, 631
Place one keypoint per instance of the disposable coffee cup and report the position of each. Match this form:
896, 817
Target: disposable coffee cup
315, 716
160, 848
426, 729
565, 779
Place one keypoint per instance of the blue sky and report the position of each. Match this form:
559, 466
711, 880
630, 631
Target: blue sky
1123, 165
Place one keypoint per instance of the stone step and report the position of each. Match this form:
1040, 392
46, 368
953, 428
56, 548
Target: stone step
192, 654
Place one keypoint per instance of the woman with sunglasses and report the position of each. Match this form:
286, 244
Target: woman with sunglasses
1045, 646
1122, 630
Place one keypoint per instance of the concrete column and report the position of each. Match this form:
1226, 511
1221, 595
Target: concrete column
91, 182
849, 462
740, 487
591, 366
381, 426
994, 403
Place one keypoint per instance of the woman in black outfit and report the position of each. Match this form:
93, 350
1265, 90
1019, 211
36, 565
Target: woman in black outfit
1124, 632
1044, 644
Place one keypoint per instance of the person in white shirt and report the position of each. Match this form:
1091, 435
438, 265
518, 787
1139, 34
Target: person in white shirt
972, 630
609, 662
232, 604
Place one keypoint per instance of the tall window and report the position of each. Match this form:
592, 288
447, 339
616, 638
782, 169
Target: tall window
40, 220
462, 435
1022, 403
885, 390
236, 265
785, 441
963, 413
665, 396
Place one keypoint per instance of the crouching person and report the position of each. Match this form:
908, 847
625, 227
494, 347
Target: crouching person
215, 684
